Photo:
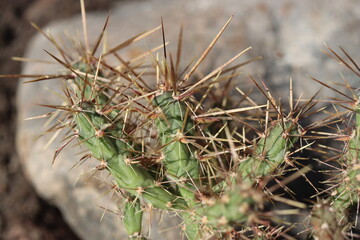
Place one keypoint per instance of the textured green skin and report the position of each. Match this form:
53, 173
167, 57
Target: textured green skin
179, 161
274, 147
348, 191
132, 218
179, 158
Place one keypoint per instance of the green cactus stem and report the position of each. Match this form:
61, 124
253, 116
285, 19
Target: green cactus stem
347, 193
270, 152
133, 218
179, 160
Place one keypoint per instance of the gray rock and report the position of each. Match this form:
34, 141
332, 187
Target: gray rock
288, 34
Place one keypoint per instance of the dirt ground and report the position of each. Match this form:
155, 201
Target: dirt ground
23, 214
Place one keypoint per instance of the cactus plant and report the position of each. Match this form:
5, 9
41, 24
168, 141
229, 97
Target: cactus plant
168, 148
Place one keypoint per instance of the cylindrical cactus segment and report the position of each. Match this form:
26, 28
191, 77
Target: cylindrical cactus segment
140, 183
348, 191
270, 152
89, 126
172, 126
324, 222
354, 156
354, 143
133, 218
179, 159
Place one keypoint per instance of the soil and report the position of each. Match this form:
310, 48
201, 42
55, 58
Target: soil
23, 214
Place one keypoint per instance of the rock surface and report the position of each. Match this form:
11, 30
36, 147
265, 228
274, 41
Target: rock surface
288, 34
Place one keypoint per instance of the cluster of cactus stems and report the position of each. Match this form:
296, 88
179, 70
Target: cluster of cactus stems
171, 147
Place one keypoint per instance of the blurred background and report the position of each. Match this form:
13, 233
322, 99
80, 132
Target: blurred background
289, 35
